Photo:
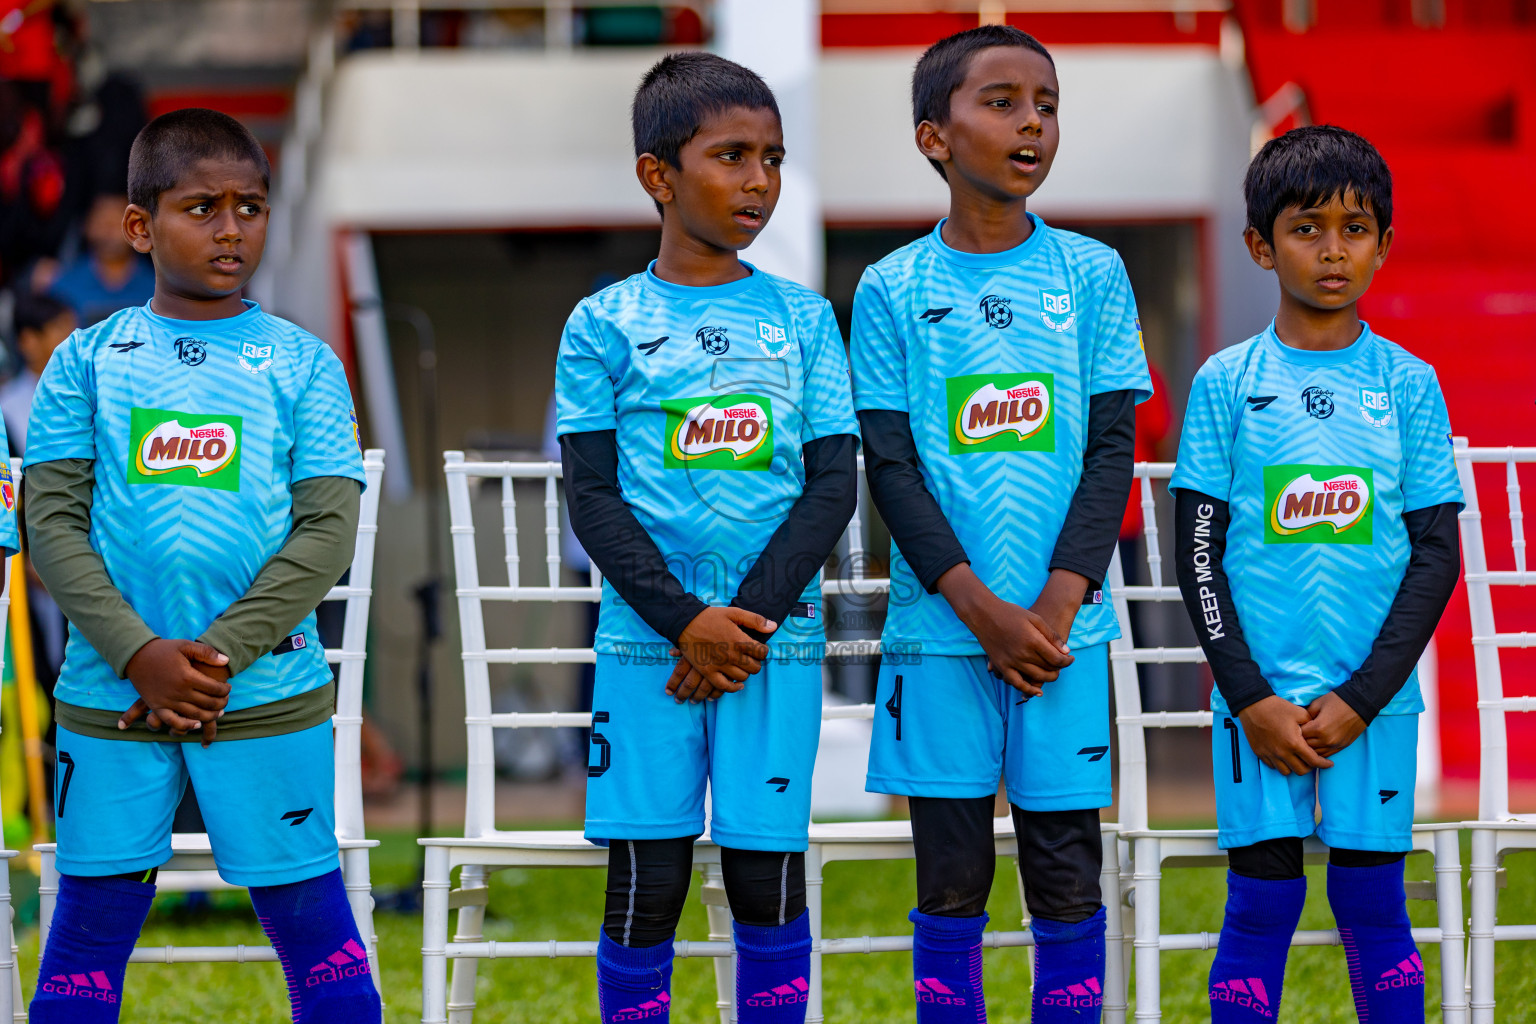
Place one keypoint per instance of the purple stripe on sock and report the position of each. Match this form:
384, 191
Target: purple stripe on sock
282, 958
1356, 977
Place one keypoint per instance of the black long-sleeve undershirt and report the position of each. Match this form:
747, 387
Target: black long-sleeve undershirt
1092, 527
629, 559
1200, 545
614, 539
923, 533
800, 546
1434, 564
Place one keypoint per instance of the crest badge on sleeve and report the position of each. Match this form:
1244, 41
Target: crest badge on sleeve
1056, 309
254, 357
1376, 406
772, 339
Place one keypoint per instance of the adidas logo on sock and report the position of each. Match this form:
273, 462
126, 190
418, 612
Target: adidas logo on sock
350, 961
1086, 993
650, 1008
1407, 974
932, 990
86, 986
782, 995
1245, 992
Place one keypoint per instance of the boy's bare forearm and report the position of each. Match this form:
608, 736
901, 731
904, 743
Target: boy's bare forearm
57, 510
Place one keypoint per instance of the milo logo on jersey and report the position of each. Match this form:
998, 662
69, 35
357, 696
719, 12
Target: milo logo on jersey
1319, 505
722, 432
1002, 412
7, 486
167, 447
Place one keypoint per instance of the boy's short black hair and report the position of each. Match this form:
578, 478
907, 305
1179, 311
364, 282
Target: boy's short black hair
1309, 166
682, 91
943, 67
35, 310
170, 144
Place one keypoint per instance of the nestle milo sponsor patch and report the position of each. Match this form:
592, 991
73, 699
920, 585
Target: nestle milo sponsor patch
168, 447
1002, 412
719, 432
1319, 505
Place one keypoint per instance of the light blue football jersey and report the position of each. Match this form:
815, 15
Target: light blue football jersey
994, 357
712, 393
1318, 455
9, 541
199, 429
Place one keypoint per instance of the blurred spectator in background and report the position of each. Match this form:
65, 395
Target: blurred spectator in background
41, 324
32, 216
108, 275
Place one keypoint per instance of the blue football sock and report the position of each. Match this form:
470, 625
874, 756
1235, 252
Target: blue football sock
96, 921
946, 967
1069, 970
310, 925
773, 969
1385, 972
634, 982
1249, 969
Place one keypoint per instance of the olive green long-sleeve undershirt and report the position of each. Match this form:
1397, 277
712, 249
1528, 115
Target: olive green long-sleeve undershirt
57, 506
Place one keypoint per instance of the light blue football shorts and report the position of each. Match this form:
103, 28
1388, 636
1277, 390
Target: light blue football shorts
946, 727
268, 803
651, 757
1366, 798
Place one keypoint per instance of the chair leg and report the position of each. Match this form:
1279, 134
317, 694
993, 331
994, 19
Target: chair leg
1485, 895
461, 990
47, 896
813, 1011
1024, 919
1148, 879
1114, 938
435, 884
718, 911
1448, 903
9, 974
354, 874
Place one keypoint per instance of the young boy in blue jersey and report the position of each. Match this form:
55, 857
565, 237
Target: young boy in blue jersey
709, 447
1316, 503
192, 484
997, 368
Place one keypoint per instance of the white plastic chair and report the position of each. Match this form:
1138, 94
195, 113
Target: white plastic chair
1151, 850
1497, 829
484, 848
12, 1006
191, 867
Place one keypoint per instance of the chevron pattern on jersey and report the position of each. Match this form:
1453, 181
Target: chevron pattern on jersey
181, 554
1057, 310
769, 342
1370, 416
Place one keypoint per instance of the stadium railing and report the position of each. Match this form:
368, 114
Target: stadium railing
483, 848
12, 1006
1497, 830
1151, 850
192, 867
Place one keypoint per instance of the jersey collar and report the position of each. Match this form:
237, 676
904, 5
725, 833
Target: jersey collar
991, 260
707, 292
1308, 357
232, 323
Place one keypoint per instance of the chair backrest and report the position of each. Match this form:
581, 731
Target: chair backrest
357, 592
1487, 641
1131, 722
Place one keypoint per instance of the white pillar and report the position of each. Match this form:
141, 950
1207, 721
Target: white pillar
781, 41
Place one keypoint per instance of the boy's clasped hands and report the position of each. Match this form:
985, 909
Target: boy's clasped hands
715, 654
1292, 739
183, 685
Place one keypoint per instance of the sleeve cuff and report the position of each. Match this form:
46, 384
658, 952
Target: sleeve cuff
1349, 693
687, 610
1094, 575
941, 565
228, 644
126, 646
1247, 699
